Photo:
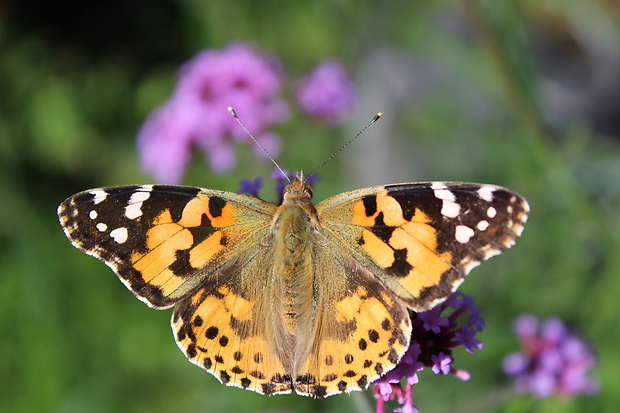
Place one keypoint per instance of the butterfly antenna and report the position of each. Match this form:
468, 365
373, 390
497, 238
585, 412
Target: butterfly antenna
373, 120
234, 114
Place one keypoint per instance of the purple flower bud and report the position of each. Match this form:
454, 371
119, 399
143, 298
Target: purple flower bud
251, 187
326, 94
432, 321
441, 363
515, 364
467, 337
526, 326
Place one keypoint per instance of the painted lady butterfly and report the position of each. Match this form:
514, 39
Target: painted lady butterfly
294, 297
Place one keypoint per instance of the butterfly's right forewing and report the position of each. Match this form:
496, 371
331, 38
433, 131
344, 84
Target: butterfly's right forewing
422, 239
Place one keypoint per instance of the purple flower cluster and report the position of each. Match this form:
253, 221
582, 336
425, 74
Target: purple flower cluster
553, 361
326, 94
435, 333
197, 117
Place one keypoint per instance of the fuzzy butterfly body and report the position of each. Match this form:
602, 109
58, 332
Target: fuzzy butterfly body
294, 297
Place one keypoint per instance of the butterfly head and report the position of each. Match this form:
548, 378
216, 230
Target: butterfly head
298, 192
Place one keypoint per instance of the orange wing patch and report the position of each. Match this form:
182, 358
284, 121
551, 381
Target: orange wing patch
409, 247
175, 247
224, 333
373, 341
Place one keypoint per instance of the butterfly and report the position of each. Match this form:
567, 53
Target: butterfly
295, 297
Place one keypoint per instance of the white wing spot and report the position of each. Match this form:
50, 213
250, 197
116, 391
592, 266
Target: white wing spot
101, 227
491, 212
468, 266
519, 230
486, 193
463, 234
120, 235
442, 192
139, 196
134, 208
491, 253
133, 211
449, 208
93, 214
146, 188
99, 195
482, 225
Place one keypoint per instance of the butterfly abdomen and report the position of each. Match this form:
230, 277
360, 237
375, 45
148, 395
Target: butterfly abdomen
292, 281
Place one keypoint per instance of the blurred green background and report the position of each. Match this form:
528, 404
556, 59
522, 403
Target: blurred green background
523, 93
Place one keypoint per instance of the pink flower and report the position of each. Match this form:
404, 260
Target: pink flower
197, 117
553, 361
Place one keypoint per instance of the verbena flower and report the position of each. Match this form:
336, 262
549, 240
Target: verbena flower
553, 360
327, 94
435, 333
196, 116
249, 187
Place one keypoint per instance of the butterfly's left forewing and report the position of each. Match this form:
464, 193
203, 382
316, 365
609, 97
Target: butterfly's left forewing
421, 239
163, 241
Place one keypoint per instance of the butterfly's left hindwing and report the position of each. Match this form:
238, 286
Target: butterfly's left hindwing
422, 239
162, 241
